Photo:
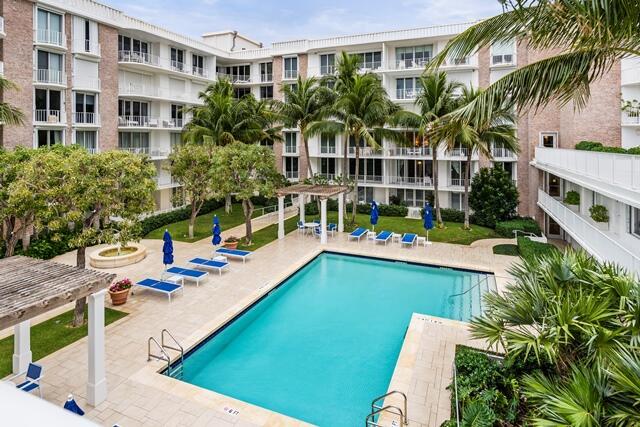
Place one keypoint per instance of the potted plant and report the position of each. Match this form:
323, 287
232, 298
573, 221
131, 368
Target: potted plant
231, 242
119, 291
572, 200
600, 215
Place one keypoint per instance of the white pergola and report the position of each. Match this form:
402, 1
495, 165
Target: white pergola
30, 287
323, 192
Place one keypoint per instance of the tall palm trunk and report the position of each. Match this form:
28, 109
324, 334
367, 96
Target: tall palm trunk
467, 177
355, 186
436, 196
345, 160
305, 144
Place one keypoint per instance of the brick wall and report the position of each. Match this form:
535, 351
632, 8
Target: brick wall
277, 77
108, 98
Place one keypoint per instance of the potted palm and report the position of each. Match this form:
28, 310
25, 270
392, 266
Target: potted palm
600, 216
119, 291
231, 242
572, 200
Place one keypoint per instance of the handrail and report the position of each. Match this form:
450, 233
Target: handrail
150, 355
484, 279
375, 407
179, 348
369, 422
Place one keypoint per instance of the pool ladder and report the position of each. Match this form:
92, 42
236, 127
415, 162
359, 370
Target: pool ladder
378, 408
175, 371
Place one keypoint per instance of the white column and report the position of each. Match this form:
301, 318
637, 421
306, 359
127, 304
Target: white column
97, 381
301, 200
323, 221
280, 217
21, 346
340, 212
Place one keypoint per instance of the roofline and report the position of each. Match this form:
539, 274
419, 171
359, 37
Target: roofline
236, 33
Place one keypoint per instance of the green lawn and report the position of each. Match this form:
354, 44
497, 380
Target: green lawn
204, 223
511, 250
269, 234
50, 336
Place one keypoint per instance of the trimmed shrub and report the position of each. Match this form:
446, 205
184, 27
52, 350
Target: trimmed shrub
572, 198
589, 146
493, 197
511, 250
362, 208
451, 215
530, 250
599, 213
150, 223
527, 225
597, 146
634, 150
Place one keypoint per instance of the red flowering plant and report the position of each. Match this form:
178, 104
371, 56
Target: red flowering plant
120, 285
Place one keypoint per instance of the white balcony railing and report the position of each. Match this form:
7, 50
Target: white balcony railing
87, 47
630, 118
326, 70
80, 118
601, 244
48, 76
138, 121
328, 149
501, 153
421, 181
291, 174
369, 179
456, 182
290, 74
55, 38
408, 64
86, 83
609, 172
290, 149
130, 56
199, 71
266, 78
47, 116
457, 152
457, 62
407, 93
365, 152
409, 151
370, 66
328, 176
135, 150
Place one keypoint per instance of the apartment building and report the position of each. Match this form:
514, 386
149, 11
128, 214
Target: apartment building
105, 80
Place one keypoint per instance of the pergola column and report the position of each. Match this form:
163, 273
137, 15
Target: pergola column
21, 346
97, 381
301, 210
280, 217
323, 221
340, 212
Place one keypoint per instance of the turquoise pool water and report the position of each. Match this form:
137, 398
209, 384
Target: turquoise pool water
321, 346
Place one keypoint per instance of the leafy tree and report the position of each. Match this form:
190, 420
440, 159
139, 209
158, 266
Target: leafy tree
436, 99
493, 196
9, 115
246, 171
588, 36
192, 165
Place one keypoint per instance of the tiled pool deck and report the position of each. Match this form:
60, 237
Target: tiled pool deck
139, 396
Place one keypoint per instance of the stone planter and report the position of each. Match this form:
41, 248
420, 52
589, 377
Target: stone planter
120, 297
231, 245
602, 226
574, 208
96, 260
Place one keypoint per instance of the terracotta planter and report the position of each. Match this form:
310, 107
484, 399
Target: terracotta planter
120, 297
231, 245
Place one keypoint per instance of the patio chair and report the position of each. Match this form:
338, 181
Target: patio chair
332, 228
186, 274
383, 236
209, 264
31, 380
358, 233
409, 239
164, 287
234, 253
301, 227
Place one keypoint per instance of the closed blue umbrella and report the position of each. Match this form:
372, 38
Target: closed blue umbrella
374, 214
71, 405
167, 248
216, 231
428, 219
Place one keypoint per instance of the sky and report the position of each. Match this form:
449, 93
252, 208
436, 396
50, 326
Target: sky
270, 21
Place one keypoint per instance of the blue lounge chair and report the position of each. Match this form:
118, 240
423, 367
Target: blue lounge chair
358, 233
409, 239
187, 274
383, 236
210, 264
234, 253
31, 379
164, 287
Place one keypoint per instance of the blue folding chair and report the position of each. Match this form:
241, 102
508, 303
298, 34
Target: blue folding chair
32, 379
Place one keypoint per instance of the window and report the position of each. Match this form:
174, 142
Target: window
407, 88
134, 142
133, 50
133, 113
291, 67
549, 139
413, 56
177, 59
266, 92
175, 140
85, 106
457, 201
502, 53
293, 87
327, 144
327, 64
240, 92
87, 139
291, 167
365, 194
634, 224
456, 173
49, 67
290, 142
176, 115
197, 65
237, 73
328, 167
554, 186
49, 137
48, 106
370, 60
370, 170
87, 35
49, 28
266, 72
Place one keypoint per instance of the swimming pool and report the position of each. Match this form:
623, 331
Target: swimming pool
325, 342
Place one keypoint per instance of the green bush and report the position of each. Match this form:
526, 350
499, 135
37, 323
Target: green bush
572, 198
451, 215
527, 225
150, 223
530, 250
362, 208
588, 145
493, 197
597, 146
507, 249
634, 150
599, 213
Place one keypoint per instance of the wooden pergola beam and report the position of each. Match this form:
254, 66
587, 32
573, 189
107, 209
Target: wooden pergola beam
321, 191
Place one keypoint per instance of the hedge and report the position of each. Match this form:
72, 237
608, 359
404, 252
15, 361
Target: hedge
528, 225
597, 146
156, 221
361, 208
529, 249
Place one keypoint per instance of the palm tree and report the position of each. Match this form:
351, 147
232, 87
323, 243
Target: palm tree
592, 36
305, 102
478, 134
9, 115
436, 99
360, 112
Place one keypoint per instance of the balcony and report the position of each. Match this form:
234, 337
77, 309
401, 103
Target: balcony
86, 47
407, 93
135, 150
200, 72
86, 119
166, 182
630, 118
293, 175
86, 83
602, 244
365, 152
47, 117
328, 176
138, 122
410, 181
49, 37
290, 74
409, 64
457, 62
151, 60
502, 153
326, 70
235, 78
52, 77
409, 152
266, 78
290, 149
328, 149
133, 57
616, 176
369, 179
456, 152
2, 33
456, 182
370, 66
